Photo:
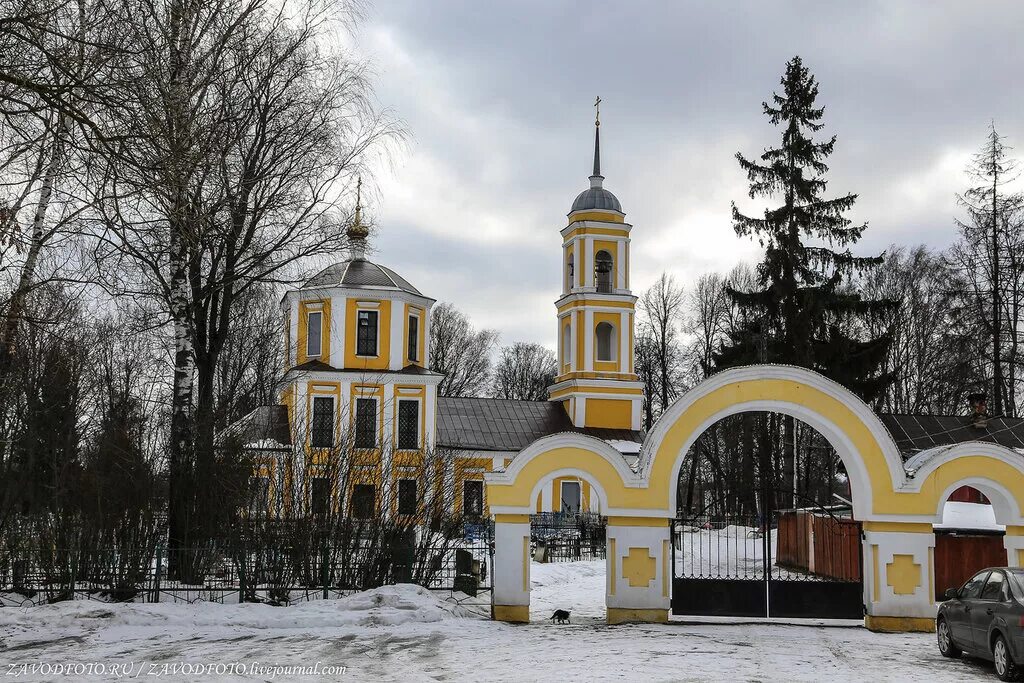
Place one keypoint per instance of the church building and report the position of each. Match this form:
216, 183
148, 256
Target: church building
357, 375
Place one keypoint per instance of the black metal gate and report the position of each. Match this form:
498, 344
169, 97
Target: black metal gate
803, 563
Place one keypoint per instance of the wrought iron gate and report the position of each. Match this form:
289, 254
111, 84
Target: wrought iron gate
795, 563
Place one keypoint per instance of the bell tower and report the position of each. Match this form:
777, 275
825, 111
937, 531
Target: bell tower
596, 382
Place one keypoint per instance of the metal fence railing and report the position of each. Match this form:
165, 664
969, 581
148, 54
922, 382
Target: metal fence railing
568, 536
279, 574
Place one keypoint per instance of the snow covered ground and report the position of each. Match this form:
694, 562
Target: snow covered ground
404, 633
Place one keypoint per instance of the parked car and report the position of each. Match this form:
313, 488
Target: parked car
985, 618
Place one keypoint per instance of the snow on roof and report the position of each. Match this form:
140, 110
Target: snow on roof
977, 516
624, 447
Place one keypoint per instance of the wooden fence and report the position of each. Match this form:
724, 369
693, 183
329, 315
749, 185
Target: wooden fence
958, 557
819, 544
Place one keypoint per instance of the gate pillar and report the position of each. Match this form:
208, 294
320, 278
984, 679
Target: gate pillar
510, 598
1013, 541
638, 569
899, 576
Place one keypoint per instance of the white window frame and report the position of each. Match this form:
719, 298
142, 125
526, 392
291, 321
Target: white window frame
613, 343
376, 421
419, 330
398, 422
318, 312
376, 337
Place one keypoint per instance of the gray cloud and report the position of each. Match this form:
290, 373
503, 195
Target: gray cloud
498, 99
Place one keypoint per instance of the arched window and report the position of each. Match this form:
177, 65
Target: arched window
603, 269
570, 270
566, 344
605, 341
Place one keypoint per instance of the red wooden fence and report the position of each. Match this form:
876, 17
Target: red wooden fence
957, 558
836, 544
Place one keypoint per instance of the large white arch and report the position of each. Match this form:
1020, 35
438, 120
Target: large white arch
837, 435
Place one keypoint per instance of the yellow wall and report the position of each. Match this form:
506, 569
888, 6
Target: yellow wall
421, 344
609, 413
464, 471
332, 389
615, 321
374, 391
380, 361
595, 215
325, 328
410, 391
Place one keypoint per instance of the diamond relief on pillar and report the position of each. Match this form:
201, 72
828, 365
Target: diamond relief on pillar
639, 568
903, 574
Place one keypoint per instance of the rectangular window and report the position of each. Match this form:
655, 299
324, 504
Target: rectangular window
414, 337
314, 333
366, 423
407, 496
321, 433
366, 334
364, 501
473, 498
319, 495
408, 425
571, 497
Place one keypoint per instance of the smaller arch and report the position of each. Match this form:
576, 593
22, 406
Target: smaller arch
605, 347
943, 470
596, 489
1003, 503
604, 270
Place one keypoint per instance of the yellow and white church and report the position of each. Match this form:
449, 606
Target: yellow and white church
358, 364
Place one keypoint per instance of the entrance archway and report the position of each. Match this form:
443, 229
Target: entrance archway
897, 507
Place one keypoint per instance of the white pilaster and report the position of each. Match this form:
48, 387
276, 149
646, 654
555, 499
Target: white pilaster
588, 340
336, 332
511, 570
396, 360
1014, 545
293, 337
899, 570
639, 580
430, 416
574, 362
624, 341
588, 277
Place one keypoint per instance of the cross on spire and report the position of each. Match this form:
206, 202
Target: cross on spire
357, 232
597, 138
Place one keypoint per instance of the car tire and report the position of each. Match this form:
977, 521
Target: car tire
946, 645
1006, 669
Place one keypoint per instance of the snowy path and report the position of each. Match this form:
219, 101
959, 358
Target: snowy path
406, 634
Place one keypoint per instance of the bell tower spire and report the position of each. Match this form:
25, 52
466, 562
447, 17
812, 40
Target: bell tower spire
356, 231
596, 382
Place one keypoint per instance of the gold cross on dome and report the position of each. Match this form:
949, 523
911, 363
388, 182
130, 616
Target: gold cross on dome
597, 108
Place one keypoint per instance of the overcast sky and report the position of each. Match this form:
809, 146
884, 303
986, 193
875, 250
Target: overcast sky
498, 98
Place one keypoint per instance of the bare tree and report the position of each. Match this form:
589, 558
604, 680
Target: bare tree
936, 355
460, 352
661, 307
524, 372
240, 131
988, 258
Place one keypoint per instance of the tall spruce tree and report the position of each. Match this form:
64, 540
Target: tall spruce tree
803, 309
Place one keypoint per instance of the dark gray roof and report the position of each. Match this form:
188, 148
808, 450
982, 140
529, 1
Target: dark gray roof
265, 424
596, 198
494, 424
320, 366
914, 433
360, 274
